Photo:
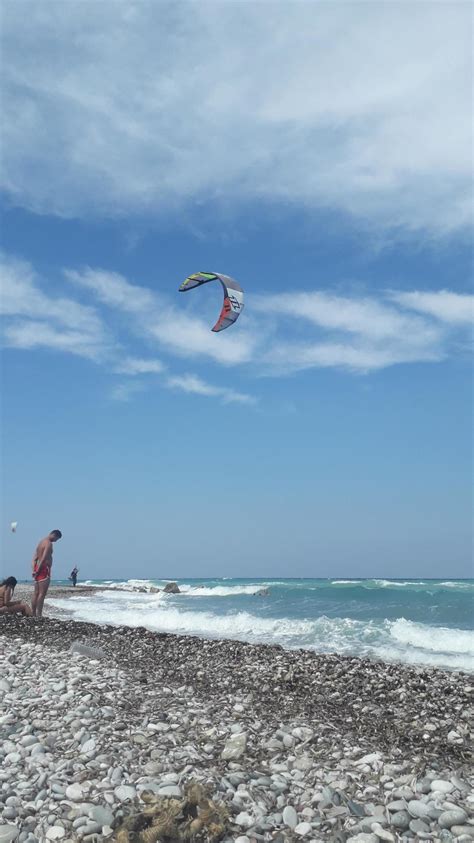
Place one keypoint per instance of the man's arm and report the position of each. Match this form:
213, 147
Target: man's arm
44, 551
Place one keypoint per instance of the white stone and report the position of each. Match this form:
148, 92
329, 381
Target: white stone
364, 838
5, 685
303, 733
244, 819
303, 828
13, 758
56, 832
370, 759
234, 747
88, 746
442, 786
242, 839
74, 792
125, 792
290, 817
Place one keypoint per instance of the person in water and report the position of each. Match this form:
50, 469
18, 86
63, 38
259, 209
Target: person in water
7, 605
73, 575
41, 565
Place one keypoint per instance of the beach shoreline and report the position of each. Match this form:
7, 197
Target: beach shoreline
329, 745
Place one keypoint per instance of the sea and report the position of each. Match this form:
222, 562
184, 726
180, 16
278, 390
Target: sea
413, 621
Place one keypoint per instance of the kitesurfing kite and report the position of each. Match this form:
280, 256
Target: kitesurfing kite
233, 296
13, 526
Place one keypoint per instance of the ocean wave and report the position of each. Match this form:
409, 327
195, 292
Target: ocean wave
399, 640
345, 582
220, 590
398, 583
432, 638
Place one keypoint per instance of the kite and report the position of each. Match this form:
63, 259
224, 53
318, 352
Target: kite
233, 296
13, 526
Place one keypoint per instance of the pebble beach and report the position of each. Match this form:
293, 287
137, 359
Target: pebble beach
118, 733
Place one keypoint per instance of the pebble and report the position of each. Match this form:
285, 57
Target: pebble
290, 817
56, 832
303, 829
8, 833
456, 816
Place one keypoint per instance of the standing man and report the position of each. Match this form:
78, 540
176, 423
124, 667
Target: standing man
73, 576
41, 565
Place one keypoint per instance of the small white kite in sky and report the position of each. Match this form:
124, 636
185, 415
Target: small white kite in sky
13, 526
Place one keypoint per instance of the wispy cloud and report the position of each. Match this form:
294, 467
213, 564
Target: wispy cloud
194, 384
137, 366
452, 308
34, 319
363, 108
283, 333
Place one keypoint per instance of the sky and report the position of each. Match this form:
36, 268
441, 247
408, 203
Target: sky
321, 154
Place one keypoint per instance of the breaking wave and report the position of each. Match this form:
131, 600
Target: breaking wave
391, 640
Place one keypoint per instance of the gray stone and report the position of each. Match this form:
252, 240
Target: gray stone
418, 826
290, 817
455, 816
418, 809
383, 833
171, 588
466, 830
125, 792
101, 815
8, 833
442, 786
400, 820
170, 790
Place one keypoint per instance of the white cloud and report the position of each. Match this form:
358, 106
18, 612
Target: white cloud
284, 358
364, 316
453, 308
33, 334
194, 384
360, 107
34, 319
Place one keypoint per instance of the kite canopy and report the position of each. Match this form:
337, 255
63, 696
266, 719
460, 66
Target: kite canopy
233, 296
13, 526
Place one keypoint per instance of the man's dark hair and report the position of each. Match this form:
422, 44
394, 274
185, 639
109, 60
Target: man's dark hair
56, 533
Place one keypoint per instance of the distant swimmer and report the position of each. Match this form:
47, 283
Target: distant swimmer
41, 566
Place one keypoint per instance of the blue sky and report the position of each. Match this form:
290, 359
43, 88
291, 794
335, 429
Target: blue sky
320, 154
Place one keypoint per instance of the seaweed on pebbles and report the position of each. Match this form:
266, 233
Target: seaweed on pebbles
194, 817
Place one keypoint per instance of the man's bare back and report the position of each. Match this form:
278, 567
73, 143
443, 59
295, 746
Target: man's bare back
41, 565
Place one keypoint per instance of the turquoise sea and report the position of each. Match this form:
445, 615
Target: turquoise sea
424, 622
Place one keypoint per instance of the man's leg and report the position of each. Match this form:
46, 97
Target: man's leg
43, 588
34, 600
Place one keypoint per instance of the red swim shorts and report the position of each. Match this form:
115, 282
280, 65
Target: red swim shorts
43, 574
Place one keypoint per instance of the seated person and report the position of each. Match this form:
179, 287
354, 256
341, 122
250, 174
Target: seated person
7, 605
